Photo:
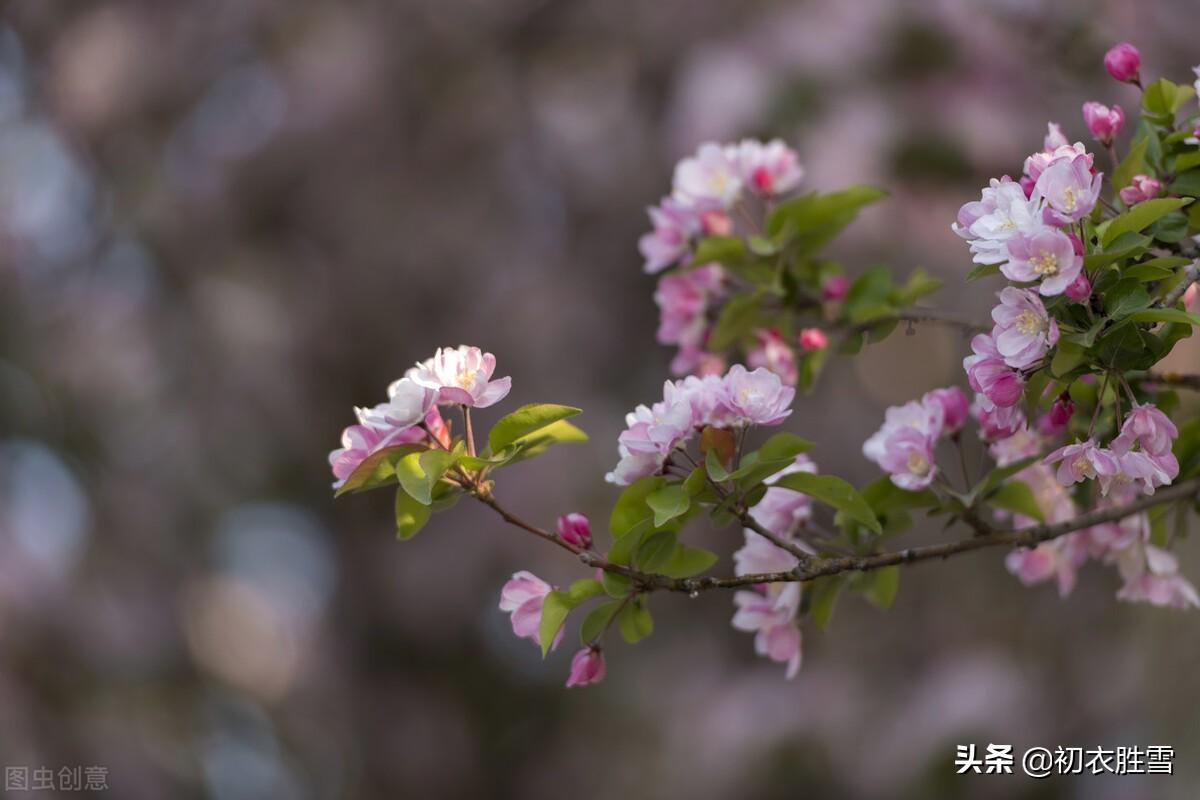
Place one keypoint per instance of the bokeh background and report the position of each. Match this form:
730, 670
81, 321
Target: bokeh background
222, 224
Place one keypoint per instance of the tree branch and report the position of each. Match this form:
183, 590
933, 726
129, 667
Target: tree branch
820, 567
1191, 274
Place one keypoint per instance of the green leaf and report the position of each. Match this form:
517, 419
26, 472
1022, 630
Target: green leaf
1134, 163
635, 622
1124, 246
656, 551
631, 509
1186, 161
783, 447
376, 469
1067, 356
555, 608
726, 250
712, 463
881, 586
835, 492
616, 585
696, 481
524, 421
411, 516
1165, 315
739, 318
597, 621
1140, 216
822, 595
536, 443
919, 284
1016, 496
1186, 183
884, 496
1125, 298
418, 472
583, 590
983, 271
668, 503
688, 561
811, 221
998, 476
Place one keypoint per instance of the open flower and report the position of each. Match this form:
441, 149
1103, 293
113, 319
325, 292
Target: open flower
362, 440
1002, 212
767, 169
773, 353
462, 375
770, 615
650, 436
674, 226
1070, 190
1024, 330
408, 404
1140, 189
1083, 461
1103, 122
523, 597
1150, 428
708, 178
1048, 256
1152, 576
1033, 565
989, 375
952, 403
782, 510
996, 422
683, 300
758, 397
587, 667
903, 446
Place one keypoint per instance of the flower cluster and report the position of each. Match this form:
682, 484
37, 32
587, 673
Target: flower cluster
523, 597
1139, 457
453, 376
904, 446
738, 399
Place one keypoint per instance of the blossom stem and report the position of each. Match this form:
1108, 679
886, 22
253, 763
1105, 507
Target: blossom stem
1099, 405
468, 433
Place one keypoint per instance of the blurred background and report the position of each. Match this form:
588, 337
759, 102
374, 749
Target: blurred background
223, 224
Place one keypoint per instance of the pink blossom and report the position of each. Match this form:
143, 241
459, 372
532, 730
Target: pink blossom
462, 375
1191, 297
758, 397
773, 353
362, 440
1083, 461
1152, 576
1024, 330
587, 667
996, 422
812, 339
925, 416
1123, 62
574, 529
1055, 138
523, 597
767, 169
1069, 189
989, 375
1002, 212
1150, 428
667, 244
1080, 289
835, 288
1103, 122
1054, 422
758, 555
709, 178
771, 618
683, 300
1048, 256
1037, 162
1019, 444
651, 434
1038, 564
1140, 189
408, 404
954, 407
908, 459
782, 510
705, 395
1139, 467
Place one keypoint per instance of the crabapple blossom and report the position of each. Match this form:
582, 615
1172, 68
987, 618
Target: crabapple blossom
408, 404
758, 397
1138, 467
574, 529
1140, 189
954, 407
1083, 461
1123, 62
710, 178
1191, 297
1037, 162
989, 375
523, 597
1080, 289
996, 422
1055, 138
1046, 561
769, 611
1070, 190
1103, 122
812, 339
1024, 330
1054, 422
462, 375
362, 440
704, 395
773, 353
989, 223
667, 244
782, 510
903, 446
716, 222
1152, 576
1150, 428
650, 436
1048, 256
683, 300
759, 555
767, 169
587, 667
835, 288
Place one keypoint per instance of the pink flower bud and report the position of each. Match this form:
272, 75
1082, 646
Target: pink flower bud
1077, 243
1191, 298
1140, 189
1080, 289
1027, 184
587, 667
716, 223
1123, 62
574, 529
836, 287
1103, 122
1054, 422
813, 339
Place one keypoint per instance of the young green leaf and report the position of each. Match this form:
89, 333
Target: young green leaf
1140, 216
881, 586
524, 421
635, 622
597, 620
631, 508
668, 503
1016, 496
418, 472
835, 492
555, 608
688, 561
411, 515
656, 551
376, 469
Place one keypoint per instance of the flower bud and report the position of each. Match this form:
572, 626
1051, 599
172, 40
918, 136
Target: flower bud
812, 339
1054, 421
1140, 189
1123, 62
1191, 298
587, 667
716, 223
835, 287
1103, 122
1079, 290
574, 529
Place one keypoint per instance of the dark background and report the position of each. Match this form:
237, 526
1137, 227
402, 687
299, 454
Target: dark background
224, 223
